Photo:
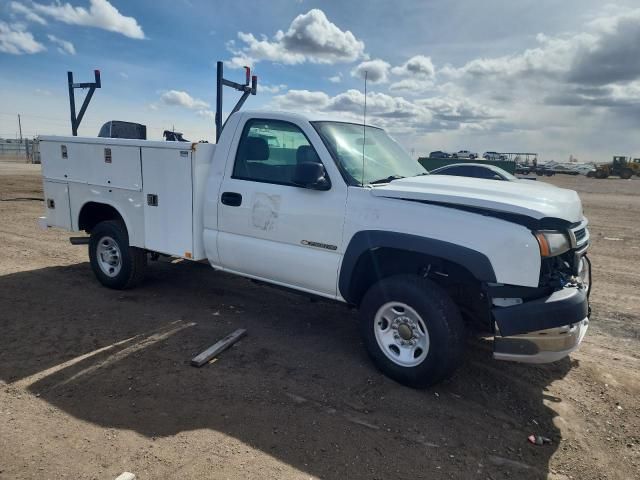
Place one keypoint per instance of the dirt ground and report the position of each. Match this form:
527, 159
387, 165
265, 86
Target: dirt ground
94, 382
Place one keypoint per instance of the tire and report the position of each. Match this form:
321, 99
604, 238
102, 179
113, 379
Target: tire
387, 311
626, 174
114, 262
600, 174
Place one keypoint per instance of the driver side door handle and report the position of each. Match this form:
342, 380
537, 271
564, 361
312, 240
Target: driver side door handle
231, 199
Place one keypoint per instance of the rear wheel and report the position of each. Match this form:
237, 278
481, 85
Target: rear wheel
601, 174
114, 262
412, 330
626, 174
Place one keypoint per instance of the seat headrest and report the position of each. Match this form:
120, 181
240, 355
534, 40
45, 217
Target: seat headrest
305, 154
256, 149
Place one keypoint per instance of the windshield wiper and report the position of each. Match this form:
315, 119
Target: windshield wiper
386, 179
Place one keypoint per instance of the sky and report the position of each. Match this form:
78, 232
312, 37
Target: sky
556, 77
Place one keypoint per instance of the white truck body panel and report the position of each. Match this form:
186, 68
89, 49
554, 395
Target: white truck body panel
506, 244
526, 198
121, 173
273, 226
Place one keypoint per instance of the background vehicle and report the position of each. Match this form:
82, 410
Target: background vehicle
620, 166
475, 170
480, 170
564, 169
585, 169
302, 213
439, 154
465, 154
493, 156
523, 169
543, 170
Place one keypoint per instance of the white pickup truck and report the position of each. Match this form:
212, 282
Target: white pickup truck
337, 210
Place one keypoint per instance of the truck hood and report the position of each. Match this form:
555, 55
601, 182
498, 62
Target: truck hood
531, 199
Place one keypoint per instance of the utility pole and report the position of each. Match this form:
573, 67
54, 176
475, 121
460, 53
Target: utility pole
20, 127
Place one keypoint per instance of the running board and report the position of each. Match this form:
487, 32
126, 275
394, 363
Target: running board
79, 240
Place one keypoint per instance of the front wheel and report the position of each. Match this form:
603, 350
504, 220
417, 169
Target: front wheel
412, 330
114, 263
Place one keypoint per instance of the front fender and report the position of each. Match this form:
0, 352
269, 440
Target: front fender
476, 262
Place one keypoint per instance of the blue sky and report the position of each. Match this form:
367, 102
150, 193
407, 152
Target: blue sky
555, 77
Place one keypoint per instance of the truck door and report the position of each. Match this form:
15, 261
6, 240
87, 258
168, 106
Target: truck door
270, 228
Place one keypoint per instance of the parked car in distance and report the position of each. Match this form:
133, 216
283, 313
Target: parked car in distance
439, 154
567, 170
586, 169
480, 170
523, 169
493, 156
465, 154
543, 170
475, 170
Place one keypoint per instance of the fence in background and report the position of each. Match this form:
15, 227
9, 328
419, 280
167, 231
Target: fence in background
26, 151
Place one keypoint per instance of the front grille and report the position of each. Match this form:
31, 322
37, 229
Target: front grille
580, 235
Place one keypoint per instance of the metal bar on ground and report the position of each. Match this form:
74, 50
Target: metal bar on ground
218, 347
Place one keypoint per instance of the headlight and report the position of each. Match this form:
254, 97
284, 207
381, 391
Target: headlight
552, 243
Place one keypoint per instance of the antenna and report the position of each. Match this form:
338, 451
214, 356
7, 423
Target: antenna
364, 123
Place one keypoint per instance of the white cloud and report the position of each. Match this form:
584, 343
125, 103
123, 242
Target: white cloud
418, 66
124, 75
16, 41
377, 71
101, 14
311, 37
27, 12
393, 113
65, 47
272, 88
589, 68
458, 109
336, 78
183, 99
208, 114
301, 99
412, 86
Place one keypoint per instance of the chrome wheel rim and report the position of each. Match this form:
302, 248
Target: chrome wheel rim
401, 334
109, 257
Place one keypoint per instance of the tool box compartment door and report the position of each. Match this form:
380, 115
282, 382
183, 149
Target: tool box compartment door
168, 207
56, 204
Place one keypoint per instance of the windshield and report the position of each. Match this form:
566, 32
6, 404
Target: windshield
384, 159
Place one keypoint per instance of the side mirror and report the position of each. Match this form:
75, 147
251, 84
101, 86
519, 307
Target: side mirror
497, 177
311, 175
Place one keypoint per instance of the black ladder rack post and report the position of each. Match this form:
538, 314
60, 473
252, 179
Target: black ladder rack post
250, 87
75, 120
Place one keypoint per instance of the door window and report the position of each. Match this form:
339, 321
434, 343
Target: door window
270, 150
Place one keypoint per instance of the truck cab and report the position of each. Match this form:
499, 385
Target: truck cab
339, 210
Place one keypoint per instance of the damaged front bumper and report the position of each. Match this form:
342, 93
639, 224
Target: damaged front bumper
543, 330
543, 346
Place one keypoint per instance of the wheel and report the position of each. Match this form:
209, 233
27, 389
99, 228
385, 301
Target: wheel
114, 263
626, 174
600, 174
412, 330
